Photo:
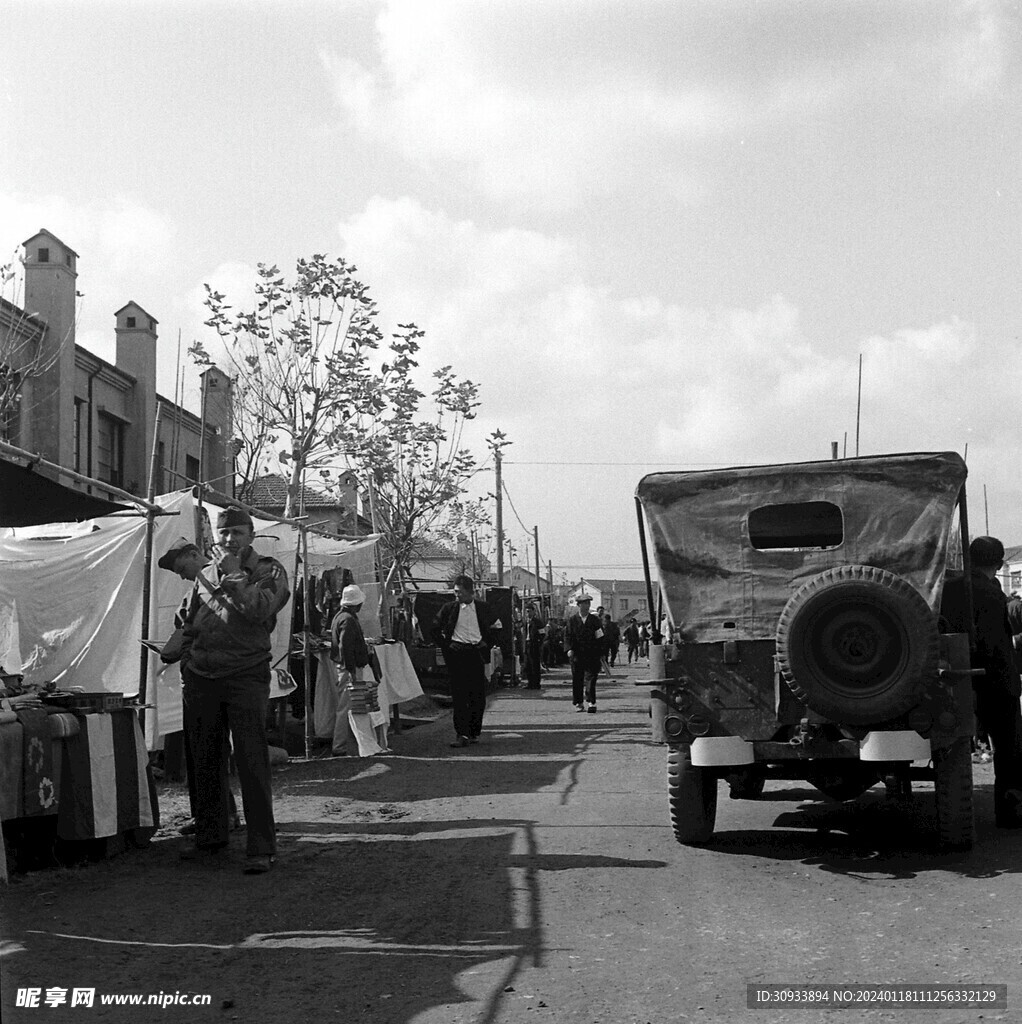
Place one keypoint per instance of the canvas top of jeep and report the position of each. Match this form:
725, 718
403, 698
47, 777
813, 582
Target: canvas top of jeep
732, 545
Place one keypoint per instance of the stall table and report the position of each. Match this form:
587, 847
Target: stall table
94, 778
398, 683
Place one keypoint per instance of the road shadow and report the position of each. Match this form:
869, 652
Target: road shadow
878, 837
378, 922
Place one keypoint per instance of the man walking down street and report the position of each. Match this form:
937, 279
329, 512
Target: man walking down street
584, 642
465, 631
227, 686
632, 640
533, 648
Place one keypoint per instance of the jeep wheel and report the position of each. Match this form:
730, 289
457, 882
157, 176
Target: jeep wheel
953, 790
692, 793
857, 643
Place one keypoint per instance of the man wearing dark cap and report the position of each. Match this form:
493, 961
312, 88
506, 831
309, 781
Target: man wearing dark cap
997, 690
184, 559
584, 642
227, 686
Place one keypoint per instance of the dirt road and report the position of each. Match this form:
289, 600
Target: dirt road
533, 877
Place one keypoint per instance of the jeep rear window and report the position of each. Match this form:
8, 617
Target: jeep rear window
801, 524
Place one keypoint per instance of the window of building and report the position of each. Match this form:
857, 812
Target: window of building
67, 258
130, 321
624, 604
800, 524
110, 449
1016, 580
642, 604
191, 467
81, 433
44, 255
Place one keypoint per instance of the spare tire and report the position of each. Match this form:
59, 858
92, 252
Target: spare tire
857, 644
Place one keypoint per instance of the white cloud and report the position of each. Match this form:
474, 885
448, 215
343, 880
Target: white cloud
524, 114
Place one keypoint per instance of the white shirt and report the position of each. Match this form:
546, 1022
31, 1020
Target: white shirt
466, 629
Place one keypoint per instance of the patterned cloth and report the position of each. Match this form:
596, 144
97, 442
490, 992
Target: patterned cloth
38, 784
105, 783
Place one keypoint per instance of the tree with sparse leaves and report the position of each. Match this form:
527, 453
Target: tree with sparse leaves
409, 450
301, 363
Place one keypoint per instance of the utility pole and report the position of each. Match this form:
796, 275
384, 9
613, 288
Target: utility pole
500, 520
539, 582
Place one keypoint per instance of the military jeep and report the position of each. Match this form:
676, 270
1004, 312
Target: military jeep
806, 640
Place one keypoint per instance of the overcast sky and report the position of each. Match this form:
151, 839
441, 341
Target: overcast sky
655, 233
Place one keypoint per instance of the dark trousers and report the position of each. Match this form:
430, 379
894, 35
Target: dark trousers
633, 652
214, 706
612, 654
999, 714
186, 732
466, 670
584, 670
533, 669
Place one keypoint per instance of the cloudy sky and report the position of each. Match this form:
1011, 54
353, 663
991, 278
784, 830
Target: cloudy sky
658, 234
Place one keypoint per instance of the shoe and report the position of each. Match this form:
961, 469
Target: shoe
578, 707
461, 741
257, 865
591, 709
187, 829
473, 739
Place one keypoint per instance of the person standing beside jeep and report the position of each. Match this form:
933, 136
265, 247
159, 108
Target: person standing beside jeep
465, 631
997, 691
227, 686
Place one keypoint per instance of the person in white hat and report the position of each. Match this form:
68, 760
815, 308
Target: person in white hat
349, 649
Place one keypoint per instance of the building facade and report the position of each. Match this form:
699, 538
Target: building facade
103, 420
620, 598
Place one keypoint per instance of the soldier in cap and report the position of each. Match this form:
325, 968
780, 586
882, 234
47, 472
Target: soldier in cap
227, 686
584, 641
184, 559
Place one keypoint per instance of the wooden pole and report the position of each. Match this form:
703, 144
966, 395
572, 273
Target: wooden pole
539, 581
147, 572
306, 649
500, 521
858, 408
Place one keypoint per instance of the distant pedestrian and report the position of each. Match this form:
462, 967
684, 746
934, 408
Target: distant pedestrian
585, 649
631, 635
465, 631
612, 634
349, 650
533, 648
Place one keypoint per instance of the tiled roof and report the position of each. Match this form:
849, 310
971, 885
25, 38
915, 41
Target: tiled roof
619, 586
270, 492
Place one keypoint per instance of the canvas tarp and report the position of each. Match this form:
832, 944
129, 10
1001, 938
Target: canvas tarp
896, 513
28, 498
71, 603
71, 599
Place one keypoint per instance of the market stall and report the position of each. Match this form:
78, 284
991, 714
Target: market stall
398, 683
71, 745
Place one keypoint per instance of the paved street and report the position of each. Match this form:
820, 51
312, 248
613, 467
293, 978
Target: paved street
533, 877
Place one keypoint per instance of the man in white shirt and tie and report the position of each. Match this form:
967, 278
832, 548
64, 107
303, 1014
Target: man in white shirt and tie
465, 632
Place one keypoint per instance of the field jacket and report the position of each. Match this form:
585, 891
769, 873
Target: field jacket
231, 628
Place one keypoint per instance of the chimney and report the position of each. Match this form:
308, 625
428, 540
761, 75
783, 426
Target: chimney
51, 270
136, 354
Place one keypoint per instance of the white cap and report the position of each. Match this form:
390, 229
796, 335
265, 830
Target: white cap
352, 595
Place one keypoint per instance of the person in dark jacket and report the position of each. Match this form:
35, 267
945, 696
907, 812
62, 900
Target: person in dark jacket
997, 691
631, 635
584, 642
612, 636
227, 686
533, 648
184, 559
465, 631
